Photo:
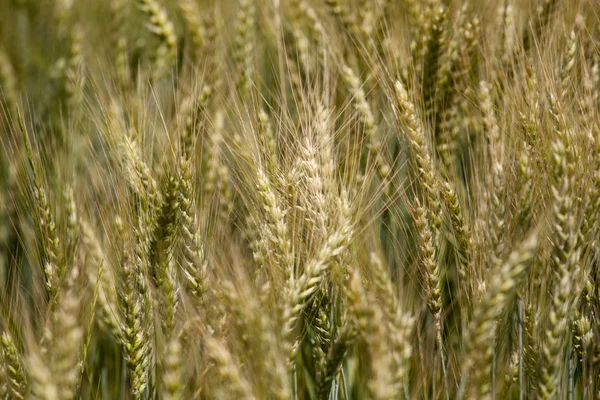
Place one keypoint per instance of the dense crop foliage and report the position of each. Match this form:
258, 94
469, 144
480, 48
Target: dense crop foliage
299, 199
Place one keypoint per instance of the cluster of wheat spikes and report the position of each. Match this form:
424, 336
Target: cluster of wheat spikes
299, 199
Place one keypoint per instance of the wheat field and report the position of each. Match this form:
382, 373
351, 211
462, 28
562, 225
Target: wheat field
299, 199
